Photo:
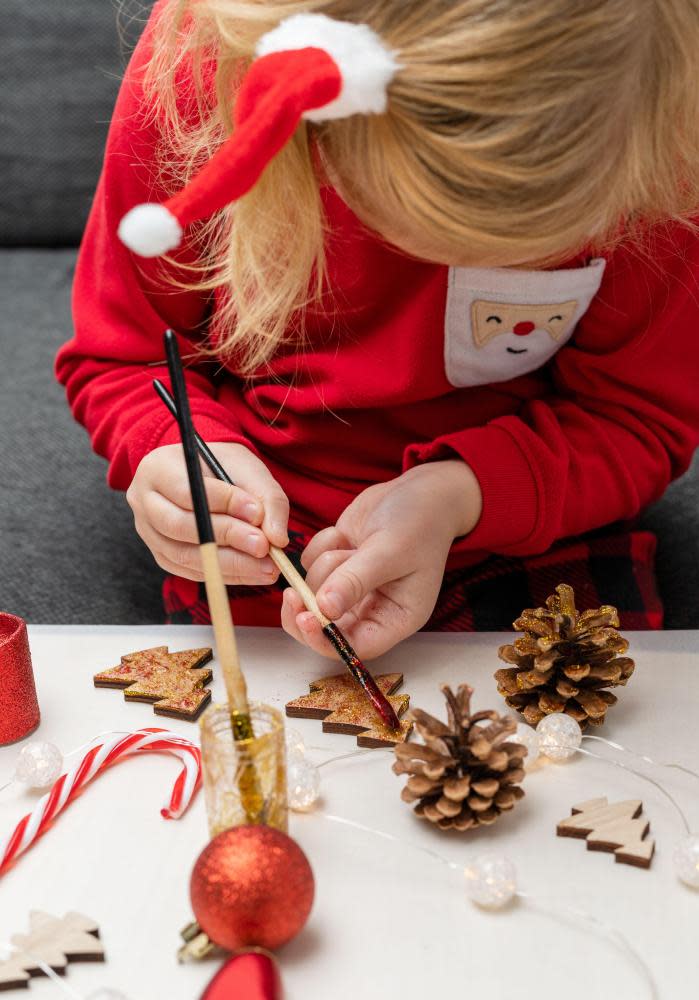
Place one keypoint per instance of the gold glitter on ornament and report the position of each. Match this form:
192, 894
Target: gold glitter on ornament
343, 706
173, 681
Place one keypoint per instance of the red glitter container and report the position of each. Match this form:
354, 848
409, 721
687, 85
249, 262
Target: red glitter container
19, 709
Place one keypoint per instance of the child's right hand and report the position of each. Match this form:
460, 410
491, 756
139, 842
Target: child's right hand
246, 518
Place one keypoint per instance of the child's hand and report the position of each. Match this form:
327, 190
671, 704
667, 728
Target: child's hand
246, 518
377, 573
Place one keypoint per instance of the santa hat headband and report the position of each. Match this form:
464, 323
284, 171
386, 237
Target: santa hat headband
309, 67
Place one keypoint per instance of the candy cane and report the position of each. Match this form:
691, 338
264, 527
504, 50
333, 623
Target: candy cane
96, 760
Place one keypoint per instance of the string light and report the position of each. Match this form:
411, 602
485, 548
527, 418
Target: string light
302, 775
40, 763
559, 737
491, 880
491, 883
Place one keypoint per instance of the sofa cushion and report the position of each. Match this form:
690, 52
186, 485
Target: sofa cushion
68, 549
60, 63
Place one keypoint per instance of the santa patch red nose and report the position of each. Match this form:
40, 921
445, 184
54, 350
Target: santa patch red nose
522, 329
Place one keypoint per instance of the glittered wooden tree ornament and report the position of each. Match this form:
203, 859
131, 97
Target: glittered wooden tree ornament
616, 827
565, 661
52, 941
174, 682
343, 707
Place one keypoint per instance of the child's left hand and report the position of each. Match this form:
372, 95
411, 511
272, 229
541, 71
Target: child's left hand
378, 571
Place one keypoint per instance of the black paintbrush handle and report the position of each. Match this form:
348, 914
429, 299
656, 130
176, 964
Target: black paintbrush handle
206, 453
203, 448
189, 443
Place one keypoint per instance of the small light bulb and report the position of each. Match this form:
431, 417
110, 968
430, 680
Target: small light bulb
295, 745
303, 784
38, 764
559, 736
529, 738
686, 860
491, 880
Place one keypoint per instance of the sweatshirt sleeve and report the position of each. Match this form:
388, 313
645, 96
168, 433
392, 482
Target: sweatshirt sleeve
122, 304
621, 419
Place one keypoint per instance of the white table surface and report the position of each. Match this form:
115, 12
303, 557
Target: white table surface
388, 922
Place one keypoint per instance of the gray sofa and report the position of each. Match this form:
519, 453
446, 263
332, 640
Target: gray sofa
67, 548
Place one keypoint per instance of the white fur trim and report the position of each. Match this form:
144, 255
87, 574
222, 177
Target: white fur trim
150, 230
366, 65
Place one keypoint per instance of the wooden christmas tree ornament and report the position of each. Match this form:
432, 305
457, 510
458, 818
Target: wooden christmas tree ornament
55, 942
616, 828
565, 661
467, 771
343, 707
174, 682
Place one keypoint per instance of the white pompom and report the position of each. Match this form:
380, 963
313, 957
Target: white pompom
150, 230
366, 65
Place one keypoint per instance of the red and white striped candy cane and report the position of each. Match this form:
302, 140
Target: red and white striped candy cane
97, 758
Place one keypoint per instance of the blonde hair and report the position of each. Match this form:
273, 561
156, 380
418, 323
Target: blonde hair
523, 129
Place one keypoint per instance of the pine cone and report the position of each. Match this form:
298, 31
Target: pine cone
466, 773
565, 661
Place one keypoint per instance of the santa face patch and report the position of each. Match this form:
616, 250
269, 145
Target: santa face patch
501, 323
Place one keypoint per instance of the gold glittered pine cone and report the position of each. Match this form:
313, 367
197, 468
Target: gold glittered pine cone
466, 772
565, 661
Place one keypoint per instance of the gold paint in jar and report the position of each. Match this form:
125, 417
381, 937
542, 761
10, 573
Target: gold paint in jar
244, 780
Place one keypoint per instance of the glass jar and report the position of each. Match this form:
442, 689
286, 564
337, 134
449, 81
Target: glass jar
244, 780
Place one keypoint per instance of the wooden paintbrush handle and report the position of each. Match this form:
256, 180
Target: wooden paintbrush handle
295, 580
222, 622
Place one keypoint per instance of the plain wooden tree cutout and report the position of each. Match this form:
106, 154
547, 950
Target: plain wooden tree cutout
615, 828
55, 941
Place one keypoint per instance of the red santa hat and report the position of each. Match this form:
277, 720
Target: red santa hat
308, 67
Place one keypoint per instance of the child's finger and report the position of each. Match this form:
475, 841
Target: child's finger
222, 498
184, 559
180, 525
239, 578
369, 567
324, 565
254, 477
328, 538
303, 625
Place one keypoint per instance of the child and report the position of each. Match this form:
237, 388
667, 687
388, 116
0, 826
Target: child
437, 293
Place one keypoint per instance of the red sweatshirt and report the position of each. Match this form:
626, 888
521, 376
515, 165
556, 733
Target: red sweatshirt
571, 393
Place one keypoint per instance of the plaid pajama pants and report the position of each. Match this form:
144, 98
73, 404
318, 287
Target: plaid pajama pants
611, 567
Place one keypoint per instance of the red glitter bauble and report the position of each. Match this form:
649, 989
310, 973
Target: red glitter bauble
252, 885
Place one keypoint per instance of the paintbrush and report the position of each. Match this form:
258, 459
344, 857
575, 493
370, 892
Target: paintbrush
295, 580
216, 592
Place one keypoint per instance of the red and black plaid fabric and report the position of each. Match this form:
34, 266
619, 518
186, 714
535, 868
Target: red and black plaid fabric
607, 568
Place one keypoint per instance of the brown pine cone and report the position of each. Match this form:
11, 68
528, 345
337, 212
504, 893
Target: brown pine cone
466, 772
565, 661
